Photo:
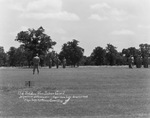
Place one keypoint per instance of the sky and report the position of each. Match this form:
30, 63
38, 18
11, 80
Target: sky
122, 23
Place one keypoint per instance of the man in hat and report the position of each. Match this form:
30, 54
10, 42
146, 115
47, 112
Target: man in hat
36, 61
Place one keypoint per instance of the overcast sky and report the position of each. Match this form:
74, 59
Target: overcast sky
122, 23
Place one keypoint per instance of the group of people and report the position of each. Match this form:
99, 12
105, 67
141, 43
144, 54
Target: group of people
57, 62
36, 61
139, 61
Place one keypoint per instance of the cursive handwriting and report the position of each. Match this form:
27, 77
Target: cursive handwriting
39, 96
41, 93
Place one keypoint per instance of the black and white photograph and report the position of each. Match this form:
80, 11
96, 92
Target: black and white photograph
74, 58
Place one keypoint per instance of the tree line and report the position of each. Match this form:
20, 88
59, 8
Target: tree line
37, 42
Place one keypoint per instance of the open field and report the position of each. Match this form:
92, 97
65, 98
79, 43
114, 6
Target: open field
111, 92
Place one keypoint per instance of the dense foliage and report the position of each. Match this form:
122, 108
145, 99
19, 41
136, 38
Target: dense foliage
36, 41
72, 52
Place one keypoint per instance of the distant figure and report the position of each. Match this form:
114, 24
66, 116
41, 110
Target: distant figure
36, 61
64, 63
50, 63
130, 61
57, 62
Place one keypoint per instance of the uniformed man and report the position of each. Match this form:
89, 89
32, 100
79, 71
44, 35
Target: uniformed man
36, 61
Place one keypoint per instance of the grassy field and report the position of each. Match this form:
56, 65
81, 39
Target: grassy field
113, 92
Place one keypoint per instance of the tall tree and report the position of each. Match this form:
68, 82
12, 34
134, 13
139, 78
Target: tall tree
72, 52
51, 55
126, 52
35, 41
132, 51
98, 56
111, 54
145, 50
12, 56
120, 59
2, 56
21, 55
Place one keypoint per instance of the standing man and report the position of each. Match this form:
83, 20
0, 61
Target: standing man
64, 63
36, 61
57, 62
130, 62
50, 63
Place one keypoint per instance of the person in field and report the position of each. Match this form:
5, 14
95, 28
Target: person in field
50, 63
57, 62
64, 63
130, 61
36, 61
